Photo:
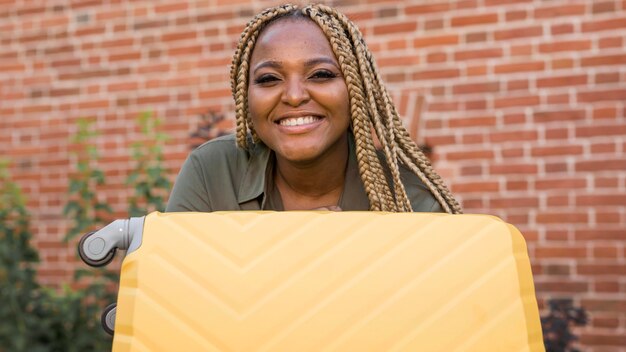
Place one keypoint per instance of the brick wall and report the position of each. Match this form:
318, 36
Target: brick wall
523, 102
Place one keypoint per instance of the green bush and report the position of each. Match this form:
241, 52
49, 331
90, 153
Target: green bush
32, 317
37, 318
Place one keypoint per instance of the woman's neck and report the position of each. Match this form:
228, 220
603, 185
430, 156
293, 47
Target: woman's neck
314, 184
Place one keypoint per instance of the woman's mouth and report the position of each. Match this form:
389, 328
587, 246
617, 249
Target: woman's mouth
298, 121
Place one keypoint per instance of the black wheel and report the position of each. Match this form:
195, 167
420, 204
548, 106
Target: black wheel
95, 263
107, 319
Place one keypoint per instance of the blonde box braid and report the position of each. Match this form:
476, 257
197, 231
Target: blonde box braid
370, 106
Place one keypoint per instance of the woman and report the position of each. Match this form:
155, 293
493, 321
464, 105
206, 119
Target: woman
308, 100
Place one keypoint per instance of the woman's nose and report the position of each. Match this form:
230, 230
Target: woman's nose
295, 93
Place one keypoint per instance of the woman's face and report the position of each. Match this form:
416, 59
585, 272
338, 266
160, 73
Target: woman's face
297, 97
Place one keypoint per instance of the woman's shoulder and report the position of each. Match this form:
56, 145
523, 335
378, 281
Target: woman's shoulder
220, 144
220, 150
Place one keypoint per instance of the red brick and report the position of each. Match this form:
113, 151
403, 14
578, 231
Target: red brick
169, 37
562, 28
470, 171
466, 4
515, 33
476, 187
440, 40
473, 203
601, 7
558, 201
606, 182
604, 60
604, 25
602, 130
606, 287
435, 24
561, 183
186, 50
571, 45
558, 115
602, 95
558, 99
475, 88
602, 339
561, 286
609, 77
514, 202
524, 101
601, 270
436, 74
610, 42
605, 322
513, 169
427, 8
461, 21
601, 200
473, 138
395, 28
516, 185
473, 121
478, 54
516, 15
515, 152
476, 37
397, 44
560, 252
520, 67
129, 56
470, 155
559, 64
557, 150
480, 70
517, 85
557, 270
173, 7
605, 251
603, 148
513, 136
601, 165
436, 58
440, 140
559, 10
562, 81
600, 234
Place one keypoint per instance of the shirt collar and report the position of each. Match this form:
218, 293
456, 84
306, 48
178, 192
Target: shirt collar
253, 181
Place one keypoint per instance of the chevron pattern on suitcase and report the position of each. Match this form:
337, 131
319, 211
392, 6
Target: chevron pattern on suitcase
327, 281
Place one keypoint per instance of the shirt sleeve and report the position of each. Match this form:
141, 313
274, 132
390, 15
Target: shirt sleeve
189, 192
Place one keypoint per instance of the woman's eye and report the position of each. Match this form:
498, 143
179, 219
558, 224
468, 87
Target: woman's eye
265, 79
323, 74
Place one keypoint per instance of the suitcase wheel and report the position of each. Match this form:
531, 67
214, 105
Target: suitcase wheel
95, 263
108, 318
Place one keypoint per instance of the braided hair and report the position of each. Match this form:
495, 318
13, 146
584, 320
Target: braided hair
371, 109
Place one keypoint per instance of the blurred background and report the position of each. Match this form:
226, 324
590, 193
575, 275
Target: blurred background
521, 102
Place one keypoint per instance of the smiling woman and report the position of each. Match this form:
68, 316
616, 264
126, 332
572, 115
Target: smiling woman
308, 100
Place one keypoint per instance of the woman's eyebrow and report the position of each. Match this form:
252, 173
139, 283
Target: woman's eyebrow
319, 60
267, 63
307, 64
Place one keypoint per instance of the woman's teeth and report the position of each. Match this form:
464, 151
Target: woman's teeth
298, 121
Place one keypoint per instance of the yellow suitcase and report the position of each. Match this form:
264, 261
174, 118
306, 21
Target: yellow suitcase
320, 281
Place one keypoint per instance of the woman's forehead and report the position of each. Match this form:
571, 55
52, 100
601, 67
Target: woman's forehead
291, 37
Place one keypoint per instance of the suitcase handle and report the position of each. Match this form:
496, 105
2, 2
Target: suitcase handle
98, 248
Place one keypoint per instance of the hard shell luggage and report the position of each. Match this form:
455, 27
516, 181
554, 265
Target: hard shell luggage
319, 281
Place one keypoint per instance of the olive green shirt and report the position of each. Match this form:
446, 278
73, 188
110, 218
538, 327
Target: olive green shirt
220, 176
